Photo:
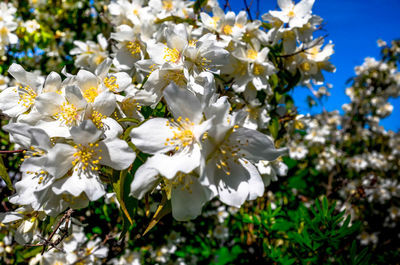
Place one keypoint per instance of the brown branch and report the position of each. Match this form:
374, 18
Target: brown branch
303, 49
248, 10
46, 242
12, 151
227, 5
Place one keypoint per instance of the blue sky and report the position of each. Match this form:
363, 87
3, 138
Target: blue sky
354, 26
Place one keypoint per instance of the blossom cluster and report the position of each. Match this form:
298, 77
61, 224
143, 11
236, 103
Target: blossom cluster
354, 150
174, 90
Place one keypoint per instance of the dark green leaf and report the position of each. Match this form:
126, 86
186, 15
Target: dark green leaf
4, 175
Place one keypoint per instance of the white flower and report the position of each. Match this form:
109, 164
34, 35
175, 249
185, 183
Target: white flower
15, 101
76, 168
295, 15
90, 54
31, 26
228, 155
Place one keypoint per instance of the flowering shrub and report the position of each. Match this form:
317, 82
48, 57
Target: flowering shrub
148, 131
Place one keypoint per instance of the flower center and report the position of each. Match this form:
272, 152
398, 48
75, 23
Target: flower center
68, 113
133, 47
183, 133
229, 152
306, 66
258, 69
129, 106
176, 76
90, 94
111, 83
291, 14
227, 30
26, 96
252, 54
168, 5
86, 157
97, 118
171, 55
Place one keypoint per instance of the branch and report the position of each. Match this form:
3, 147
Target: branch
304, 49
247, 9
46, 242
12, 152
227, 5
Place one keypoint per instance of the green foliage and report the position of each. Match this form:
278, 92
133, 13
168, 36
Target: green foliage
4, 175
314, 235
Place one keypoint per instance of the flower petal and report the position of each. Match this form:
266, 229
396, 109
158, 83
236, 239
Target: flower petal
187, 201
151, 136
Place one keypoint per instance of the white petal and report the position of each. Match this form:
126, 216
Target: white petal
23, 76
74, 96
144, 181
187, 201
183, 103
86, 80
9, 105
85, 133
105, 103
49, 103
116, 153
169, 166
255, 145
256, 184
59, 160
52, 83
79, 183
151, 136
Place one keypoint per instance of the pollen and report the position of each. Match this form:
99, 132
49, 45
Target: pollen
183, 133
90, 94
192, 43
291, 14
258, 69
68, 113
133, 47
171, 55
26, 96
130, 105
97, 118
228, 153
227, 30
252, 54
305, 66
111, 83
168, 5
86, 157
176, 76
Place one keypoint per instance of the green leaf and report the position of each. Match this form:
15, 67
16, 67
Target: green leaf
118, 187
176, 20
163, 209
273, 81
291, 163
4, 175
120, 183
274, 127
198, 5
325, 207
247, 218
129, 120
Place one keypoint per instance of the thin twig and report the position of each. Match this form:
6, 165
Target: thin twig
248, 10
227, 5
303, 49
46, 242
12, 152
